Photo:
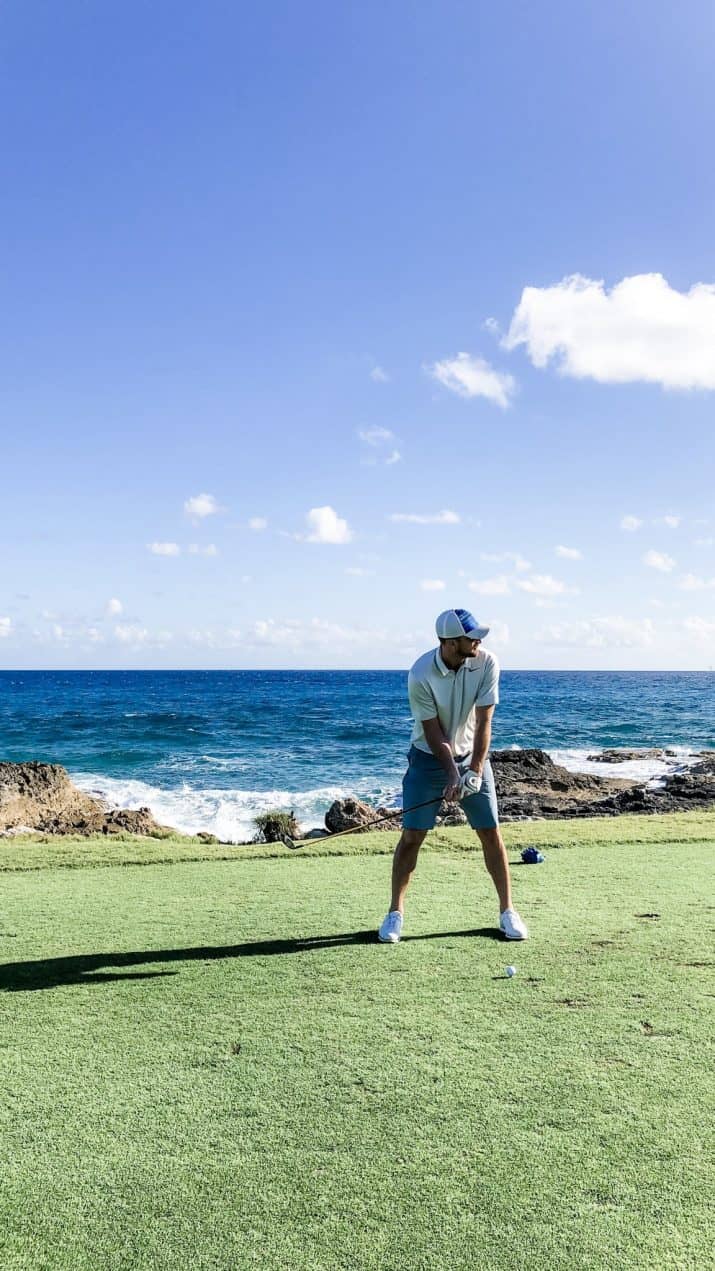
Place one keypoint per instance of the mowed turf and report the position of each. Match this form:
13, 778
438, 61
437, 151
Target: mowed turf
212, 1063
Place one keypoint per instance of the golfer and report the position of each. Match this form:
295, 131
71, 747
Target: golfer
453, 691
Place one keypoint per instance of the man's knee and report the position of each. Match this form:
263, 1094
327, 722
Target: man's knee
412, 839
490, 838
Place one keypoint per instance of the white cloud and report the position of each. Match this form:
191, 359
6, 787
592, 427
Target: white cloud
671, 521
375, 436
659, 560
5, 628
473, 377
599, 633
432, 584
569, 553
326, 526
492, 326
518, 561
641, 331
131, 633
357, 571
543, 585
196, 550
164, 549
94, 635
200, 506
499, 586
691, 582
702, 630
418, 518
631, 523
135, 636
704, 542
378, 375
114, 607
258, 523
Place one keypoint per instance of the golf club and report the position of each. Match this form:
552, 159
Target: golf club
294, 843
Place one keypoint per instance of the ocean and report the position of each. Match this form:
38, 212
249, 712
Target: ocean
209, 750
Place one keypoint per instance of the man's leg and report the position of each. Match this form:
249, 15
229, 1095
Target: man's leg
497, 863
403, 865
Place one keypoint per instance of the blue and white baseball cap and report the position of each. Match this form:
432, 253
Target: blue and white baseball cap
455, 623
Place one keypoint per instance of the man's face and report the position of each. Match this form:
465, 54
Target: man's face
463, 648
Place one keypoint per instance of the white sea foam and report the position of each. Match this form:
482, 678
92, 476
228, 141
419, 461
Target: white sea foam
651, 771
229, 814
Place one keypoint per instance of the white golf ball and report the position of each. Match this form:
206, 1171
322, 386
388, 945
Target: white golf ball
511, 970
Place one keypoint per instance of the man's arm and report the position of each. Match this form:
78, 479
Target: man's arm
442, 751
482, 738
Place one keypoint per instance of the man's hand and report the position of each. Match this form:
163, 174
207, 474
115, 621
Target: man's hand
452, 790
471, 783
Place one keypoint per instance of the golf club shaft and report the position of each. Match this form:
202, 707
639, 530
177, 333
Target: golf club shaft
354, 829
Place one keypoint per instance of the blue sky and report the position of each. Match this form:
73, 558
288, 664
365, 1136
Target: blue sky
319, 319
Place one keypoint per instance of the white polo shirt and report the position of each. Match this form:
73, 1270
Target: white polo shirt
451, 697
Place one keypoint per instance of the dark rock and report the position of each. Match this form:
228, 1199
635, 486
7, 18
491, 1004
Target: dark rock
348, 814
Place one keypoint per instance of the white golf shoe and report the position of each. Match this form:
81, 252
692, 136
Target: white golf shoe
512, 925
391, 928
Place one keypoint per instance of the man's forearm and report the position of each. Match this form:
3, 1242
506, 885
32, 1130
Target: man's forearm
442, 751
482, 741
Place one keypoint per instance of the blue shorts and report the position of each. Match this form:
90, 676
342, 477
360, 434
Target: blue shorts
425, 779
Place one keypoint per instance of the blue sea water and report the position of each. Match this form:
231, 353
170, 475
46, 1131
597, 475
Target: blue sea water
209, 750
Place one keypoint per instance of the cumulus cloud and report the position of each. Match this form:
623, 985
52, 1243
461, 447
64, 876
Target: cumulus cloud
691, 582
379, 375
325, 526
642, 330
569, 553
543, 585
701, 629
378, 439
258, 523
357, 571
659, 560
499, 586
514, 558
671, 521
704, 542
445, 517
432, 584
469, 376
164, 549
599, 633
114, 607
5, 628
131, 633
200, 506
209, 550
631, 523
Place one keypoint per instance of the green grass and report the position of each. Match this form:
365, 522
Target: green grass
209, 1063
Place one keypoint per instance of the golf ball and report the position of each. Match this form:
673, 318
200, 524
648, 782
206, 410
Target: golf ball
511, 970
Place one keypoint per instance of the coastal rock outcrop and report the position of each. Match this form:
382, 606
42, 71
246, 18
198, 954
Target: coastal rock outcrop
40, 796
531, 786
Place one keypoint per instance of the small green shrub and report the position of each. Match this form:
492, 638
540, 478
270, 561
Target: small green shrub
273, 827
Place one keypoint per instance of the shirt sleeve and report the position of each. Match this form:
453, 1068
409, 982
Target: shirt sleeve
488, 694
422, 703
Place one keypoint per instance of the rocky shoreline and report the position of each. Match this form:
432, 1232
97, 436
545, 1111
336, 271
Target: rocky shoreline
38, 797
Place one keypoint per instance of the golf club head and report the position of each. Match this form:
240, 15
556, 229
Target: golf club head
289, 842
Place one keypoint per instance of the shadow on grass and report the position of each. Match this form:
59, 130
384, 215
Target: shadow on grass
89, 968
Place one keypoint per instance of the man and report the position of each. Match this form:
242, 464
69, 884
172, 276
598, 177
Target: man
453, 691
